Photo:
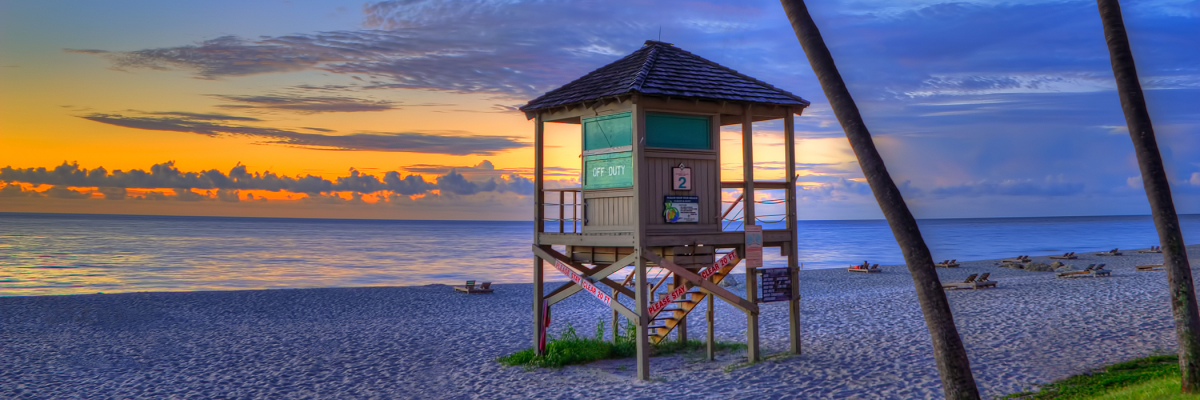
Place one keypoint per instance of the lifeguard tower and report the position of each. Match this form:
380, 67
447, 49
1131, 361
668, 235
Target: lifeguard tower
651, 193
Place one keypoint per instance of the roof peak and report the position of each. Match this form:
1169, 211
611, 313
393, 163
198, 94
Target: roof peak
662, 69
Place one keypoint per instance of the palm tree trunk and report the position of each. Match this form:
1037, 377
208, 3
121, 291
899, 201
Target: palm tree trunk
948, 350
1158, 192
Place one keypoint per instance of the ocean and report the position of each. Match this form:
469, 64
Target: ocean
52, 254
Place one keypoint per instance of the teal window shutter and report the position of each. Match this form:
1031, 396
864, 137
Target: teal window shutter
605, 131
678, 131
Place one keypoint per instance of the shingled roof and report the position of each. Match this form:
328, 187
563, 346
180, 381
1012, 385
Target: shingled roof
660, 68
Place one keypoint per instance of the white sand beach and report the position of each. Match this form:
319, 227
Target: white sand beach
863, 337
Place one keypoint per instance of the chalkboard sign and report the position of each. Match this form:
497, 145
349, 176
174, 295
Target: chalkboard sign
776, 285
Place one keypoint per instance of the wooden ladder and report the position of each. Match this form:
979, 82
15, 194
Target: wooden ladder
666, 320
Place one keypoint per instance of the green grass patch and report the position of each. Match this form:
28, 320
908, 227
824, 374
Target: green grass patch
569, 348
1159, 389
1133, 379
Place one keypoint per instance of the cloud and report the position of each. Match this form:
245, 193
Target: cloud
445, 142
114, 193
305, 104
517, 48
13, 190
63, 192
1023, 187
113, 184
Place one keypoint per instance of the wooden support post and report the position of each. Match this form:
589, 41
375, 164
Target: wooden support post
562, 208
752, 352
642, 340
793, 246
681, 328
748, 165
640, 182
538, 227
711, 343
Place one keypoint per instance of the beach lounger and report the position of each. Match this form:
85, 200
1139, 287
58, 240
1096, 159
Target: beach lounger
864, 268
1018, 260
967, 283
1100, 271
1065, 256
470, 288
947, 264
1071, 274
1112, 252
1150, 267
983, 282
1153, 249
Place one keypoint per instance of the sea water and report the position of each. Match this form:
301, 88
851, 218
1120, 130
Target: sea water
42, 254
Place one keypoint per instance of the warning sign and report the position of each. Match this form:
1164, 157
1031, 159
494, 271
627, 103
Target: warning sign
679, 291
584, 283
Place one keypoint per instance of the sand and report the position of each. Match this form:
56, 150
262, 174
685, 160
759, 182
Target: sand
863, 337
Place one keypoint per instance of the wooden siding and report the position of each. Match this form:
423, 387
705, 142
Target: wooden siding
705, 184
609, 210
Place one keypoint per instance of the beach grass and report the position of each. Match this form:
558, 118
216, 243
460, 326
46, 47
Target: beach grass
569, 348
1154, 377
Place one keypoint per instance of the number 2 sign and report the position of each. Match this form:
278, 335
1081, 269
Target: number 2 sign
681, 178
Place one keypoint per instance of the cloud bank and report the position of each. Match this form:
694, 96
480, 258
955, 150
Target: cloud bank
216, 125
113, 184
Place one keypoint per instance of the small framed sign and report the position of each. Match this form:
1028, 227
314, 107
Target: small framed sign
754, 245
776, 285
681, 209
681, 178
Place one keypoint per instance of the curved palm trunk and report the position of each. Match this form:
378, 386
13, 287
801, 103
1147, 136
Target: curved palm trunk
1158, 192
948, 350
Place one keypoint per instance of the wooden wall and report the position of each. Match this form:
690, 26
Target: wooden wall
706, 184
609, 210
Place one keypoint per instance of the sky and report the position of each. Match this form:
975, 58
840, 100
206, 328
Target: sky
407, 109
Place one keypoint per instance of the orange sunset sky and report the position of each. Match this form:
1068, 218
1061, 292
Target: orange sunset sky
406, 109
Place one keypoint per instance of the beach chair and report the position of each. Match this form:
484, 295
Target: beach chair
947, 264
1153, 249
867, 268
1150, 267
1100, 271
1065, 256
983, 282
969, 282
470, 288
1113, 252
1070, 274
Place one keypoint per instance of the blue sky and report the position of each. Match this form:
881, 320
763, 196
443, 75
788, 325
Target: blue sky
980, 108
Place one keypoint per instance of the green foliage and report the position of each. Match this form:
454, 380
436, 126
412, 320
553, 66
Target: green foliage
1152, 371
569, 348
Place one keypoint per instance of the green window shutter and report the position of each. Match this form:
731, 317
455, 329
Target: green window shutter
612, 170
678, 131
612, 130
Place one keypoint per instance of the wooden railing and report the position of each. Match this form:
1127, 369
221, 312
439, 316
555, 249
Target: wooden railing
576, 207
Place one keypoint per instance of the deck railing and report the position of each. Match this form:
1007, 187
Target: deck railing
575, 207
736, 204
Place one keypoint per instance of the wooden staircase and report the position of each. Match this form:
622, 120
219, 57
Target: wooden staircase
665, 321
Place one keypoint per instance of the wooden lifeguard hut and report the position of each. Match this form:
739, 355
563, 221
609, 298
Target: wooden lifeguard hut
651, 192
